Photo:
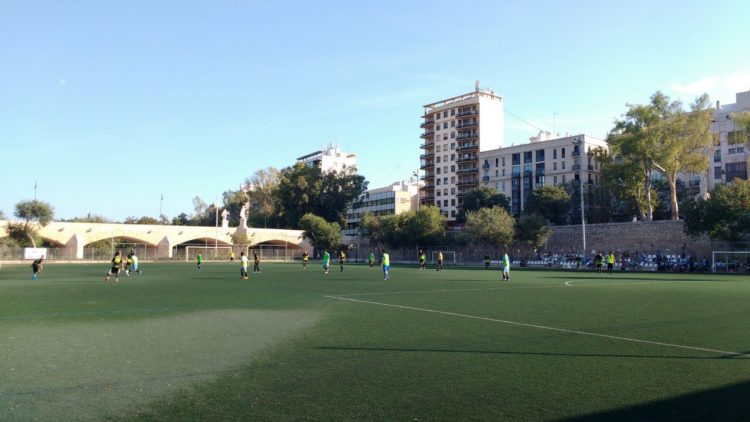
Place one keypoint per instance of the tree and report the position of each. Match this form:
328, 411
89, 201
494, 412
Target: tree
622, 177
2, 215
424, 226
684, 138
141, 220
742, 133
551, 202
305, 189
322, 234
724, 215
532, 228
29, 211
370, 228
89, 218
482, 197
491, 226
262, 188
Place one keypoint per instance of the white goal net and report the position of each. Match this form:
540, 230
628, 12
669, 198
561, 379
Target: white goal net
730, 261
449, 257
213, 253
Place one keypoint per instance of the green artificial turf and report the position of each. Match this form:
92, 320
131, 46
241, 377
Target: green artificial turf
180, 344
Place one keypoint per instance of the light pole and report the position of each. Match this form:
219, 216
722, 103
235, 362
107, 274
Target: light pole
579, 143
216, 231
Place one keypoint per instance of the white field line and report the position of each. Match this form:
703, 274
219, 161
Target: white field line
569, 283
543, 327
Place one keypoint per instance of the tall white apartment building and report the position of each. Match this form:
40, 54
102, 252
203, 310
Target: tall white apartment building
456, 130
517, 170
396, 198
331, 158
728, 159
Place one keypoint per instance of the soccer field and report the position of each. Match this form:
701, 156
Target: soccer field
180, 344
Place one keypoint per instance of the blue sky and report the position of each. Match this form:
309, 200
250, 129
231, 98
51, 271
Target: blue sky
109, 104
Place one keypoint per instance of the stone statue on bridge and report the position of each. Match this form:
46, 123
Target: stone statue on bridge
243, 216
225, 219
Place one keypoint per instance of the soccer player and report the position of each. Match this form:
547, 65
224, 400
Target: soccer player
386, 261
342, 257
610, 262
199, 257
243, 268
36, 267
231, 256
506, 266
326, 261
305, 258
134, 264
422, 260
116, 264
486, 262
371, 260
598, 260
256, 263
128, 262
439, 261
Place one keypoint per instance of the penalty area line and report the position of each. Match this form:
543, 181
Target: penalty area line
544, 327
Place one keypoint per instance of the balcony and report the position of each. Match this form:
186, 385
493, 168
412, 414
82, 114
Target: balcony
464, 125
427, 134
466, 182
426, 155
427, 144
428, 186
427, 198
466, 113
428, 177
427, 123
576, 167
486, 166
427, 165
467, 159
467, 146
485, 178
467, 170
466, 136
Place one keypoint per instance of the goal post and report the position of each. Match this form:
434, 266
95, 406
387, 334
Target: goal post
208, 252
730, 261
449, 257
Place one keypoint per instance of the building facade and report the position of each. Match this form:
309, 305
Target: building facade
456, 130
728, 159
331, 158
390, 200
517, 170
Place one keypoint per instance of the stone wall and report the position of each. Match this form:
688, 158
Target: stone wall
667, 237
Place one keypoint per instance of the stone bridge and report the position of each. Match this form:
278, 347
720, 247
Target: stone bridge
73, 237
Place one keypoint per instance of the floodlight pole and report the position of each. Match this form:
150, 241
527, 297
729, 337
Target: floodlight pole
579, 143
216, 231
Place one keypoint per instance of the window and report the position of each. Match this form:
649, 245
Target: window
445, 193
736, 170
539, 155
555, 180
445, 202
437, 160
503, 161
445, 125
445, 136
497, 173
453, 145
496, 162
438, 193
563, 176
717, 156
503, 172
562, 154
554, 166
453, 213
445, 180
738, 150
717, 172
437, 182
453, 112
445, 158
437, 170
554, 154
453, 135
453, 168
453, 123
563, 166
437, 149
453, 201
453, 179
445, 114
516, 159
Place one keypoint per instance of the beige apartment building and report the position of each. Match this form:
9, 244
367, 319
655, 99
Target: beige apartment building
517, 170
456, 130
331, 158
728, 159
397, 198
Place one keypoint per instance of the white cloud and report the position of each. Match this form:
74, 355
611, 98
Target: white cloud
722, 88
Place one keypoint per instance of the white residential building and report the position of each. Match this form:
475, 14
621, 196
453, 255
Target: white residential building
728, 159
456, 130
397, 198
331, 158
517, 170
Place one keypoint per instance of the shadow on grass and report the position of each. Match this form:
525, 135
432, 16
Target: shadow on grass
551, 354
729, 403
